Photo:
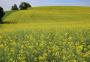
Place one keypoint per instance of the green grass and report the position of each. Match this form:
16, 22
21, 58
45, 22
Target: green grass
46, 34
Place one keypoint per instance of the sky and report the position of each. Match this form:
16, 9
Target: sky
6, 4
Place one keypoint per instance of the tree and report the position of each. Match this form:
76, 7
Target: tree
2, 13
24, 5
14, 7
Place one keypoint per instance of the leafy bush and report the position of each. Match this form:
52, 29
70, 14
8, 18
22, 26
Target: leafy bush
24, 5
14, 7
2, 13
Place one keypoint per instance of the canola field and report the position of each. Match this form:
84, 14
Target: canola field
46, 34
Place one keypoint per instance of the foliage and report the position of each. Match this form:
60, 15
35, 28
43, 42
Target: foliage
24, 5
2, 13
14, 7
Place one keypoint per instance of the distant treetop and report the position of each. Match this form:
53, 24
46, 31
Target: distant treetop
24, 5
14, 7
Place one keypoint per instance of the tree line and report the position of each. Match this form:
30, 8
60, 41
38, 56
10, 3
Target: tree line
22, 6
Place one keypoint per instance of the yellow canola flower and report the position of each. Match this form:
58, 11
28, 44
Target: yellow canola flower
13, 43
41, 58
87, 54
45, 54
0, 37
1, 45
79, 48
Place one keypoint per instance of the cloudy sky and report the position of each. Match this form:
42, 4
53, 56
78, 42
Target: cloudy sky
6, 4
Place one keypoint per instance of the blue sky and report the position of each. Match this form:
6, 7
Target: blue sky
6, 4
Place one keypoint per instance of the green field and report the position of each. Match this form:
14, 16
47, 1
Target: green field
46, 34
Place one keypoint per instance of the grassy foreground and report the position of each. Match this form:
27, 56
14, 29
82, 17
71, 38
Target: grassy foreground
46, 34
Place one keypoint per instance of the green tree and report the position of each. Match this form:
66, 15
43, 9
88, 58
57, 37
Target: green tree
14, 7
2, 13
24, 5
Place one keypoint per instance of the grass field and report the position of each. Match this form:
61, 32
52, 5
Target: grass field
46, 34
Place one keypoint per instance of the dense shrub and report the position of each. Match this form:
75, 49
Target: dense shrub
2, 13
14, 7
24, 5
